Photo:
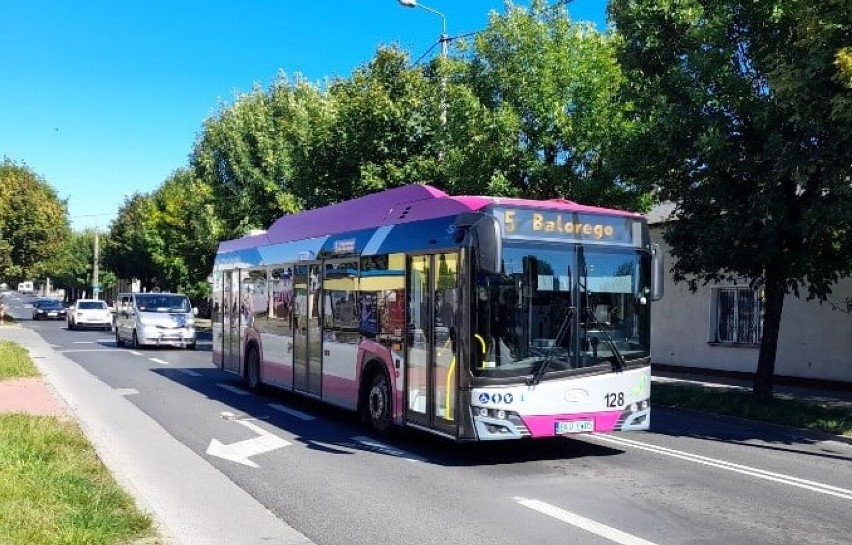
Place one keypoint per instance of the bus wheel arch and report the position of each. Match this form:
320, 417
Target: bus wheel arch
252, 368
375, 401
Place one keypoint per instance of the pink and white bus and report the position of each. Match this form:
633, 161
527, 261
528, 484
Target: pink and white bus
475, 318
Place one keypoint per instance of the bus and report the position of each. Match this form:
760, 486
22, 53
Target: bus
470, 317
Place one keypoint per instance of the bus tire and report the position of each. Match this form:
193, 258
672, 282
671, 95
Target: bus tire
377, 405
253, 369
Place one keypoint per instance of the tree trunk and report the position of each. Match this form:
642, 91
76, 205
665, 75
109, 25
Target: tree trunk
774, 292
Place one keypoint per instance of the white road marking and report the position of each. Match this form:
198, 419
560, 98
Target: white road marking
376, 446
292, 412
110, 340
126, 391
240, 451
80, 350
188, 372
158, 360
135, 353
730, 466
234, 389
583, 523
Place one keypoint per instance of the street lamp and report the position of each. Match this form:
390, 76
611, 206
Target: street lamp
444, 39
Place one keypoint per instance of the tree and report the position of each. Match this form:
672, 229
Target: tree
71, 268
183, 232
746, 126
556, 81
127, 251
33, 222
242, 155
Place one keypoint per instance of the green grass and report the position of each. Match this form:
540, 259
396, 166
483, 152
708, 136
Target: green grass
15, 362
54, 489
743, 404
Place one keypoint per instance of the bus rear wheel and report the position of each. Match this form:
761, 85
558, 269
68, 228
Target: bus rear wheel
377, 406
253, 369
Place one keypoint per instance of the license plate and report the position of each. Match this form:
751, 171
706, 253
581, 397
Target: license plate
575, 426
51, 314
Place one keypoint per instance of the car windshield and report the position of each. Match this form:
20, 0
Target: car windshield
89, 305
539, 308
51, 305
157, 302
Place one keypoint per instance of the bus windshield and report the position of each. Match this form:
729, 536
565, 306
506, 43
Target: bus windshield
543, 307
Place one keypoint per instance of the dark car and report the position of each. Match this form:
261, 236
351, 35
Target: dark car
48, 309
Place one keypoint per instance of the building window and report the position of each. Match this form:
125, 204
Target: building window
736, 316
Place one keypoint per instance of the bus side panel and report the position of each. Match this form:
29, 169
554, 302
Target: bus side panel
276, 353
371, 350
217, 325
339, 377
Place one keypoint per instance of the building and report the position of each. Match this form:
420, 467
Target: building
718, 328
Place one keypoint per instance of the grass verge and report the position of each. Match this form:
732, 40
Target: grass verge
15, 362
54, 490
789, 412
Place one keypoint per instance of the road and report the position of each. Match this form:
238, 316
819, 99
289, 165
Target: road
693, 479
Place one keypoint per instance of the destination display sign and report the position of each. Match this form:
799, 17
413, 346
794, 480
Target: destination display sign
532, 224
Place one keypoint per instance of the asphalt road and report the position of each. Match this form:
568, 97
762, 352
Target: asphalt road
693, 479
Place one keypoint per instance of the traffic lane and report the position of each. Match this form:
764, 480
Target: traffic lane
333, 482
684, 499
780, 449
309, 487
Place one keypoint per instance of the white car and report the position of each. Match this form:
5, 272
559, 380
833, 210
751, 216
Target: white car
90, 313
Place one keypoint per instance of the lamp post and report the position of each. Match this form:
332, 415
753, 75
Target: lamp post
444, 39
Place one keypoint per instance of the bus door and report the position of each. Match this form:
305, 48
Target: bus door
307, 334
231, 322
431, 348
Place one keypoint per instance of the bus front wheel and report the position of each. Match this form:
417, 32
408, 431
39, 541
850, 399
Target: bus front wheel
377, 406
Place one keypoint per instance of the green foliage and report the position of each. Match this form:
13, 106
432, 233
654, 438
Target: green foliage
746, 126
127, 251
33, 223
243, 157
555, 84
183, 231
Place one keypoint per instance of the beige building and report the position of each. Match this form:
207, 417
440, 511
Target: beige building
718, 327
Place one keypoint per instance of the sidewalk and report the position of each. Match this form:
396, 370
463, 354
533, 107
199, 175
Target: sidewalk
192, 502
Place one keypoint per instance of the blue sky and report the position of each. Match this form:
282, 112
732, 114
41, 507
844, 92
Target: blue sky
105, 98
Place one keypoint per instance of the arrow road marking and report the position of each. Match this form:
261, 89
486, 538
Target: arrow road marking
241, 451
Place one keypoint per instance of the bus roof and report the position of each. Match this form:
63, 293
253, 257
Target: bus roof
400, 205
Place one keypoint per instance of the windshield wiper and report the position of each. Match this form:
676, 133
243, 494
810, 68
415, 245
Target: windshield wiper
541, 367
619, 364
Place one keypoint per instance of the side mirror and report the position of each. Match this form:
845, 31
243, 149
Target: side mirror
658, 272
483, 233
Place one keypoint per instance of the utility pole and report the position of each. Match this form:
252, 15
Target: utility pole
96, 288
